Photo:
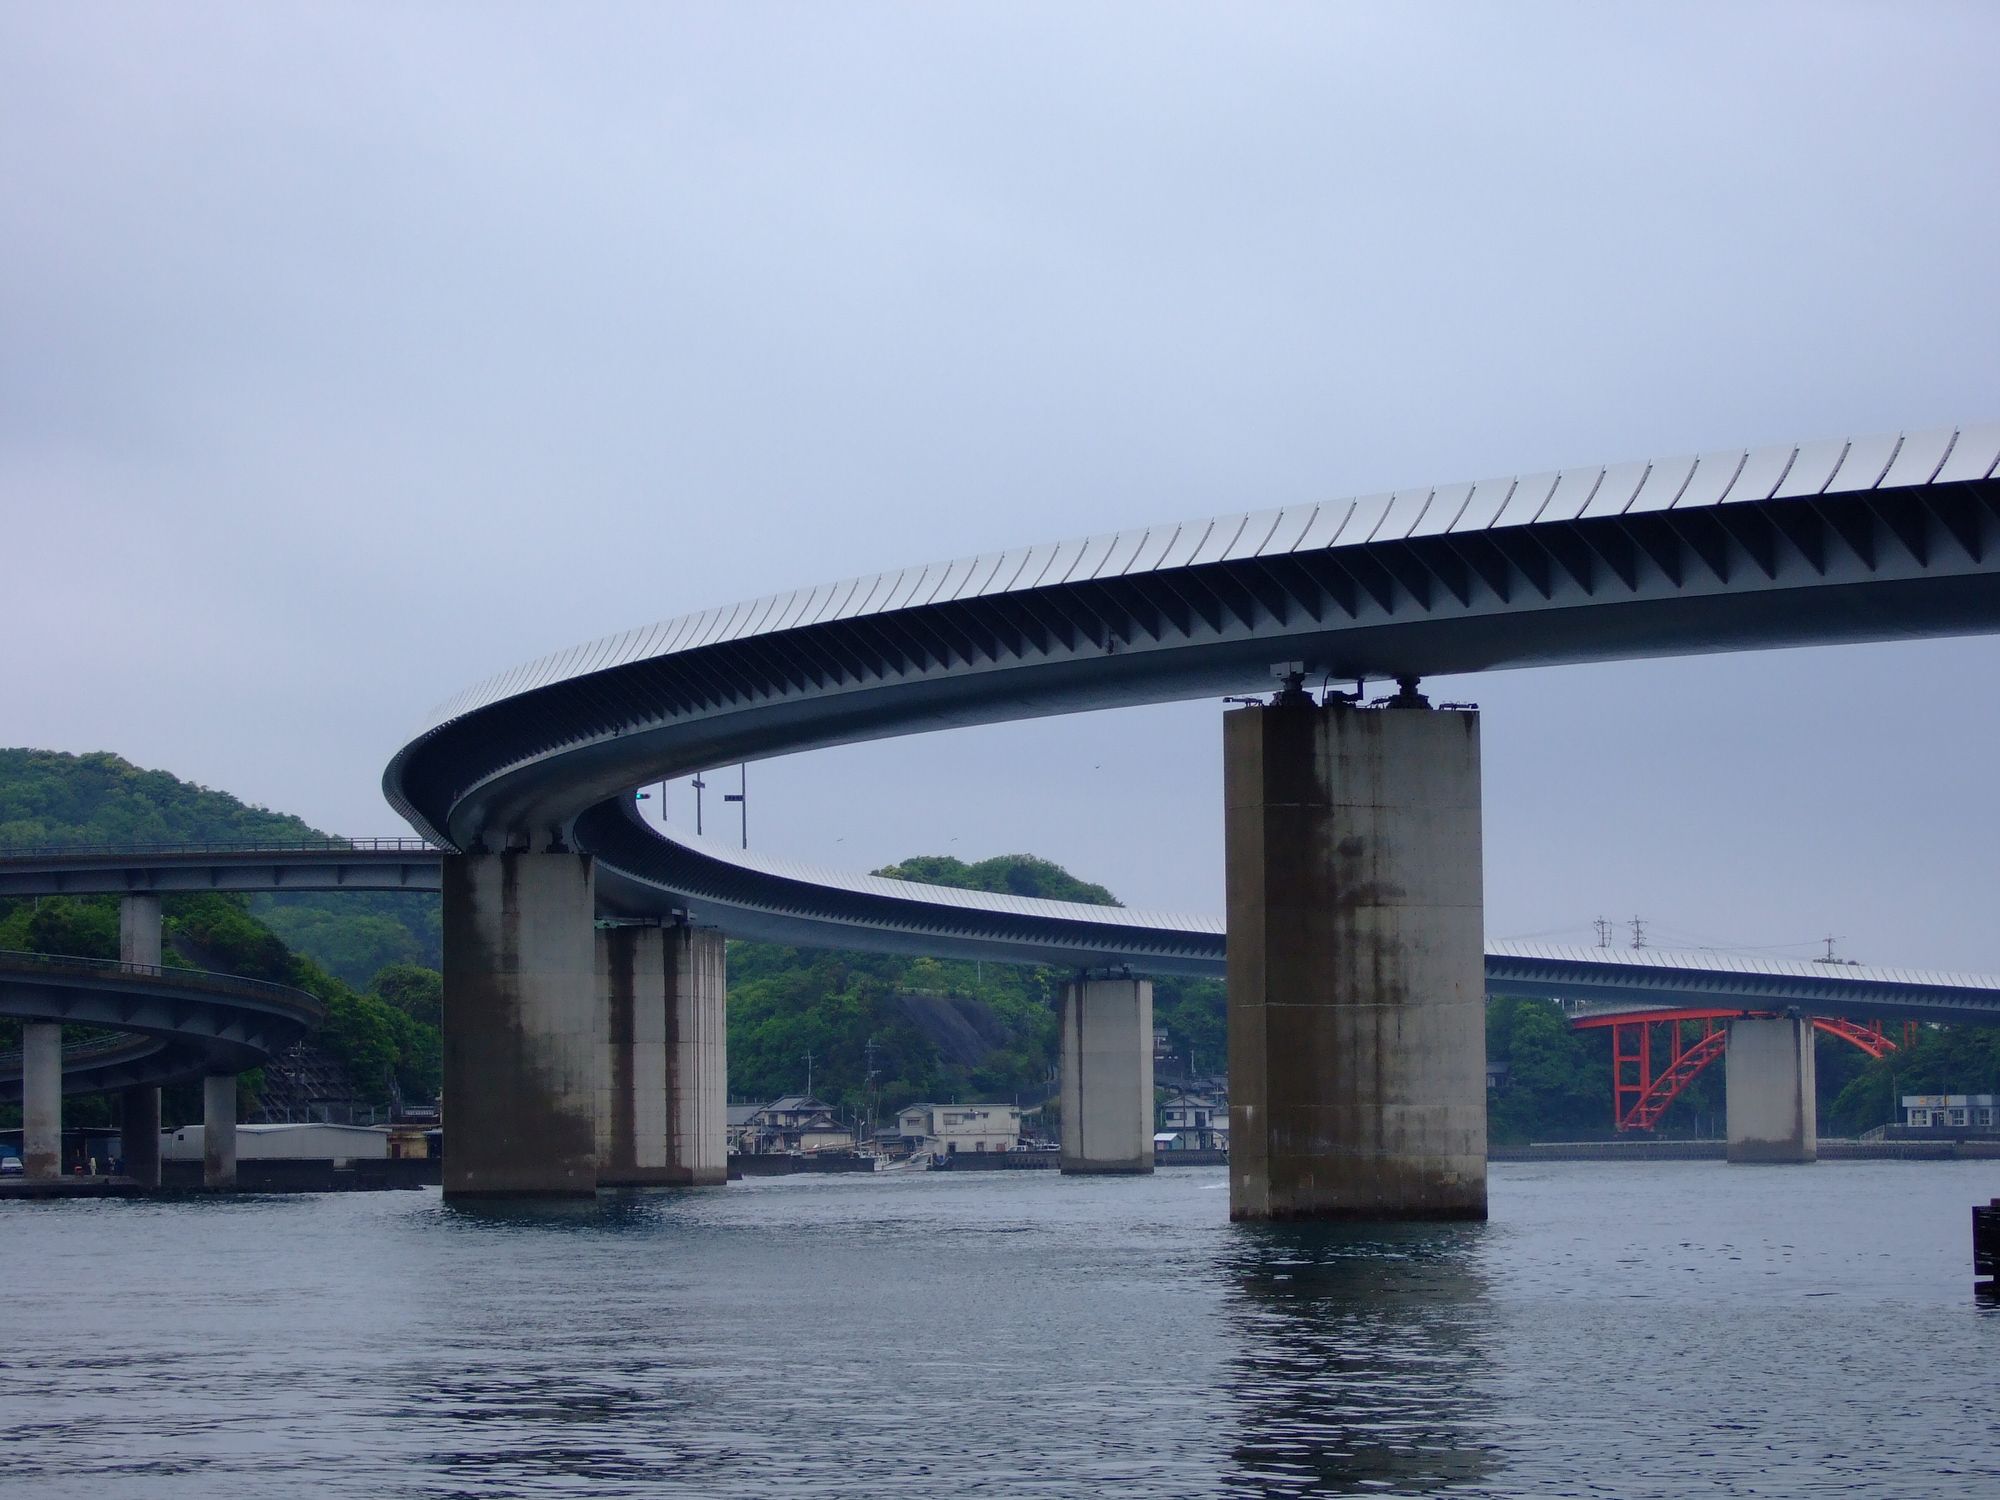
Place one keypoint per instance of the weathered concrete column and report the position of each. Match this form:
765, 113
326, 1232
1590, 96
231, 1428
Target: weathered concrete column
139, 930
524, 1025
697, 1056
41, 1100
632, 968
1107, 1075
1770, 1077
1357, 1033
139, 1130
218, 1130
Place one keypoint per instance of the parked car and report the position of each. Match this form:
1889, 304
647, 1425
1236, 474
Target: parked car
10, 1166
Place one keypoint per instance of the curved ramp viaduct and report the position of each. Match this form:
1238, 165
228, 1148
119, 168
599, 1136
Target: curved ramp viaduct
580, 1054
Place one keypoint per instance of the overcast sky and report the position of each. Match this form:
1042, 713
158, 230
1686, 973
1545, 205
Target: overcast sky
350, 354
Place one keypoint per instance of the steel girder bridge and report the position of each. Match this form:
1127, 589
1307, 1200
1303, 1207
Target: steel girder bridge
1866, 539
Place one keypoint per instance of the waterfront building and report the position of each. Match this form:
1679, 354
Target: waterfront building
316, 1141
1930, 1111
948, 1129
795, 1123
1195, 1118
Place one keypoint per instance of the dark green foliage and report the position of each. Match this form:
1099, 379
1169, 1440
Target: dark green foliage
1558, 1082
942, 1029
1005, 874
85, 927
47, 797
784, 1002
412, 989
1944, 1060
355, 935
1195, 1013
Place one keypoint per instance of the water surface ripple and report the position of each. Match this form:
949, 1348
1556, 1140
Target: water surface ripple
1668, 1330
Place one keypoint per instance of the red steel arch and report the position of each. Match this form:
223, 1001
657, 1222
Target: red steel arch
1640, 1095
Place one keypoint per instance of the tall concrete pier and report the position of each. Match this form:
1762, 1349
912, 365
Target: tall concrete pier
1770, 1076
1107, 1075
1357, 1037
218, 1130
697, 1057
631, 964
41, 1100
139, 929
524, 1023
139, 1106
139, 1133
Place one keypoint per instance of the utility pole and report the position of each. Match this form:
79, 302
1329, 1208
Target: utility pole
809, 1075
868, 1083
698, 785
1603, 926
741, 796
1638, 925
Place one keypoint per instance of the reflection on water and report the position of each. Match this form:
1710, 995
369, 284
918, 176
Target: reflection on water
1364, 1352
1649, 1332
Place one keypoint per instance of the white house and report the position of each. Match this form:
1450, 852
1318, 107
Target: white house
1192, 1119
949, 1129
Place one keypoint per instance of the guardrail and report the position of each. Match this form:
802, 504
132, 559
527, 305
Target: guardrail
326, 845
231, 984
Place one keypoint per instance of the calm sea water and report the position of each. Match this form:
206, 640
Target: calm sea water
1670, 1329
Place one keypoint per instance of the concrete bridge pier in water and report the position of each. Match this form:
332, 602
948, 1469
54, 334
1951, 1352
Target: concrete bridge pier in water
1769, 1078
41, 1100
1357, 1032
664, 1078
139, 1106
575, 1056
1107, 1075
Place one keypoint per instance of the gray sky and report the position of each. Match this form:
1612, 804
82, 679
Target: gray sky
349, 354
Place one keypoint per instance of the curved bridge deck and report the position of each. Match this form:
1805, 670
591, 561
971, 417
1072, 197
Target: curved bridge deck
179, 1023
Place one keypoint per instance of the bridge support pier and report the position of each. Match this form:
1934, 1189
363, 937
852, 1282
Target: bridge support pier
41, 1100
1357, 1034
139, 1132
697, 1057
139, 929
631, 967
1769, 1079
1107, 1076
218, 1131
524, 1022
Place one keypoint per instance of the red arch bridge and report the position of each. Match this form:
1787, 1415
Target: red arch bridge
1656, 1054
1669, 1013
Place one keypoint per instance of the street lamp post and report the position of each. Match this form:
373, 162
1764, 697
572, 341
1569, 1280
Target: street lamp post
741, 796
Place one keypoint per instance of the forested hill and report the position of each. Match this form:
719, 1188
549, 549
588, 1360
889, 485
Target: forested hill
49, 798
1005, 874
934, 1029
